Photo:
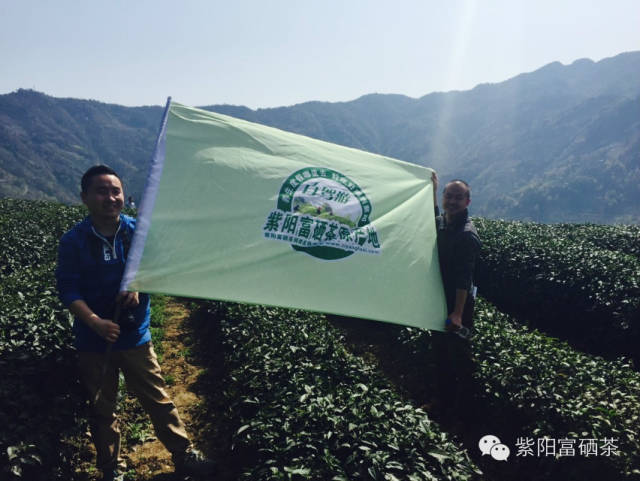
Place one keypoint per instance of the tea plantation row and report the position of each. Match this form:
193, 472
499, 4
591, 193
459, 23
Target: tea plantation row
303, 404
42, 404
621, 238
532, 386
562, 280
306, 408
30, 231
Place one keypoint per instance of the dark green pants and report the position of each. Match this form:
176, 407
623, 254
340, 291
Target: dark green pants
454, 365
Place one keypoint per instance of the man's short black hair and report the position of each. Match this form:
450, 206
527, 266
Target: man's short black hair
94, 171
462, 182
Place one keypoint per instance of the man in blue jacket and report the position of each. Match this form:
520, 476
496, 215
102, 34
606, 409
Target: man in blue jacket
91, 259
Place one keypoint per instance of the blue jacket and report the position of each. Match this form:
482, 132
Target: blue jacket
90, 268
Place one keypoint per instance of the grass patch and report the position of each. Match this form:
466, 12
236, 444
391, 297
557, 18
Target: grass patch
137, 432
158, 306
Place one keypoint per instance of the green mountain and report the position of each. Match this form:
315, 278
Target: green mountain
560, 144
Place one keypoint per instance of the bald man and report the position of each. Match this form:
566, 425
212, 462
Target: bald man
458, 248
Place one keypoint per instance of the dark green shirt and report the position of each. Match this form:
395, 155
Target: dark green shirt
458, 248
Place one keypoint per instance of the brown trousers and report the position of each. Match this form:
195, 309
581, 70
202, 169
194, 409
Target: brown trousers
143, 377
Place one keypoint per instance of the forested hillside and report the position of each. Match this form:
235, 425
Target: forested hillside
561, 144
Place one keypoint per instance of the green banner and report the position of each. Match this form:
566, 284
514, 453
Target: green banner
243, 212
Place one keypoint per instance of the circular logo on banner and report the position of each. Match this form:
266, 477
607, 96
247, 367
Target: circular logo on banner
323, 213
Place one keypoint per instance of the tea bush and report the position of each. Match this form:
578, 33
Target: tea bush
583, 293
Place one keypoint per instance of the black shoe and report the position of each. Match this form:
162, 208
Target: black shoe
193, 463
113, 475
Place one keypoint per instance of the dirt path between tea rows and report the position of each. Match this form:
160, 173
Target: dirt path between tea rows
151, 460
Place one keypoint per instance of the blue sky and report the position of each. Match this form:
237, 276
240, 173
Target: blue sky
273, 53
